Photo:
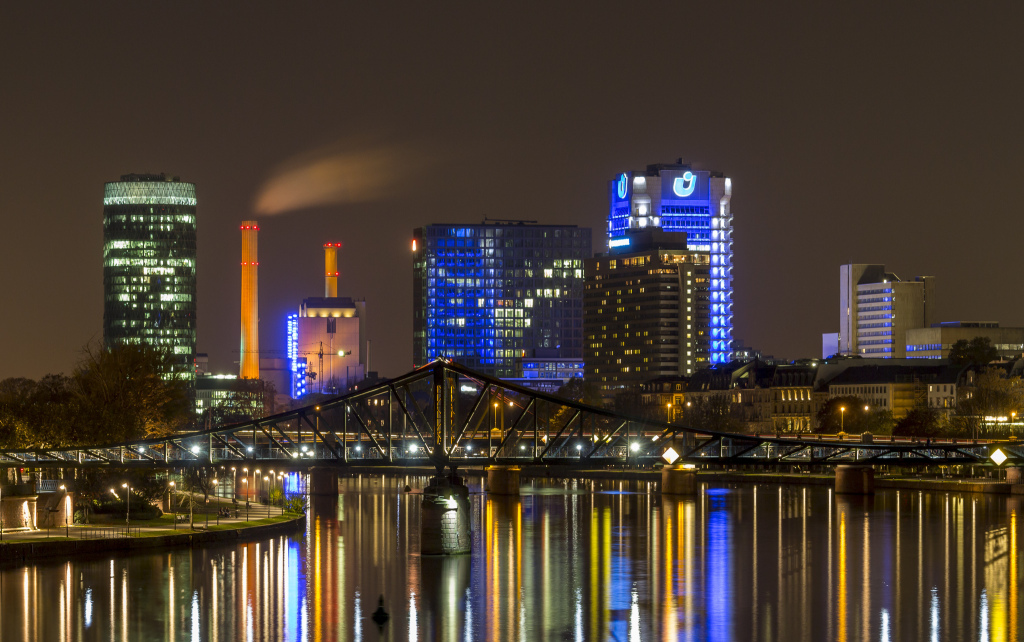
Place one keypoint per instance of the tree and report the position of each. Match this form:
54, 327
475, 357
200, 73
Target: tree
128, 392
195, 480
920, 422
852, 415
994, 394
978, 351
578, 391
711, 412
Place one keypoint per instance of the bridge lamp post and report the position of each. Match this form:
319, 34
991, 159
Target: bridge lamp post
579, 450
208, 506
668, 412
234, 484
842, 416
495, 427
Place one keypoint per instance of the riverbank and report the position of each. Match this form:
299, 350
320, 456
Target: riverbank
896, 482
17, 551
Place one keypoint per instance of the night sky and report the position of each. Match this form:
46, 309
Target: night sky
883, 135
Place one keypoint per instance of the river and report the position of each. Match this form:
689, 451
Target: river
567, 560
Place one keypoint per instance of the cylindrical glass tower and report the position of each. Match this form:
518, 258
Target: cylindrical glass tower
149, 265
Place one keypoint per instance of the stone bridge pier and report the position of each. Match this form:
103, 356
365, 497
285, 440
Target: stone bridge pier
445, 517
855, 480
323, 481
503, 480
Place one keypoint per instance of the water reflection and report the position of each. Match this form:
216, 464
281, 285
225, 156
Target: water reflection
576, 560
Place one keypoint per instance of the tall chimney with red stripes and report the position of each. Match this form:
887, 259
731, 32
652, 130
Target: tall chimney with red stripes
250, 345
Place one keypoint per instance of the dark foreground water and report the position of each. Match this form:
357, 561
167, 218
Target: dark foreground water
576, 560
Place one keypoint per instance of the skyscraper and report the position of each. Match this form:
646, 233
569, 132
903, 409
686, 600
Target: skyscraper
876, 308
676, 198
149, 265
646, 310
489, 295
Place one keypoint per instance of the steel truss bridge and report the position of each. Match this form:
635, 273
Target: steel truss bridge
447, 416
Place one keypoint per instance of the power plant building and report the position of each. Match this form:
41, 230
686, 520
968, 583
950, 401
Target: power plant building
494, 294
328, 351
149, 265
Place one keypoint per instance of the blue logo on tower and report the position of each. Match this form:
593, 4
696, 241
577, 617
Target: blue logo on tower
621, 186
683, 185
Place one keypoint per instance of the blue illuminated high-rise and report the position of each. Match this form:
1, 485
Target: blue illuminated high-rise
489, 295
676, 198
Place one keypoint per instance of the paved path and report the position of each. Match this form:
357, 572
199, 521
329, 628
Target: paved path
96, 531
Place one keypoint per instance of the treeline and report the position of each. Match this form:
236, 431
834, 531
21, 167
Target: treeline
114, 394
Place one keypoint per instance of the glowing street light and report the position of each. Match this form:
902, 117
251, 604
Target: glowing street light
635, 446
842, 416
67, 508
127, 503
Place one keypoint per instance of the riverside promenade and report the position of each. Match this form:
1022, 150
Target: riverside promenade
164, 532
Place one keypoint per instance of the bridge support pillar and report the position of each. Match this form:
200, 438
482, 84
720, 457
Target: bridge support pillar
676, 480
1014, 475
503, 480
445, 518
323, 481
855, 480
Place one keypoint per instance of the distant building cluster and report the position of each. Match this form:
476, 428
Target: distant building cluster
648, 317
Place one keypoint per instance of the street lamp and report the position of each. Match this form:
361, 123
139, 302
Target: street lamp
842, 416
208, 508
170, 491
67, 533
127, 503
668, 412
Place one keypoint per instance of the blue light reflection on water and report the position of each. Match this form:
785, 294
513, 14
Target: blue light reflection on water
566, 563
719, 561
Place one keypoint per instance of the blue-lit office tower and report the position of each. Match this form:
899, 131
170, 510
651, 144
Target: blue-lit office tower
677, 198
489, 295
149, 265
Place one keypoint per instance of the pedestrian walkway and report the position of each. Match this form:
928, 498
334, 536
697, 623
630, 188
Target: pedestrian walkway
249, 516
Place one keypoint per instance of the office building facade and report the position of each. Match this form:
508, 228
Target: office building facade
876, 309
149, 265
676, 198
647, 310
936, 342
494, 294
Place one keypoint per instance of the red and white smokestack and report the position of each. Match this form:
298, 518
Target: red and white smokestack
250, 345
331, 269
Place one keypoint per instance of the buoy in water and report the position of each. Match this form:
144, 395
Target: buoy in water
380, 616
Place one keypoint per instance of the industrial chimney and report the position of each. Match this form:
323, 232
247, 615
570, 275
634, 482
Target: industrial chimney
331, 269
250, 348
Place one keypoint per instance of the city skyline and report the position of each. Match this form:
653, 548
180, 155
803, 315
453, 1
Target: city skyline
830, 133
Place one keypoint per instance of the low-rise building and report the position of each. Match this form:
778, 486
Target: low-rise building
936, 342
